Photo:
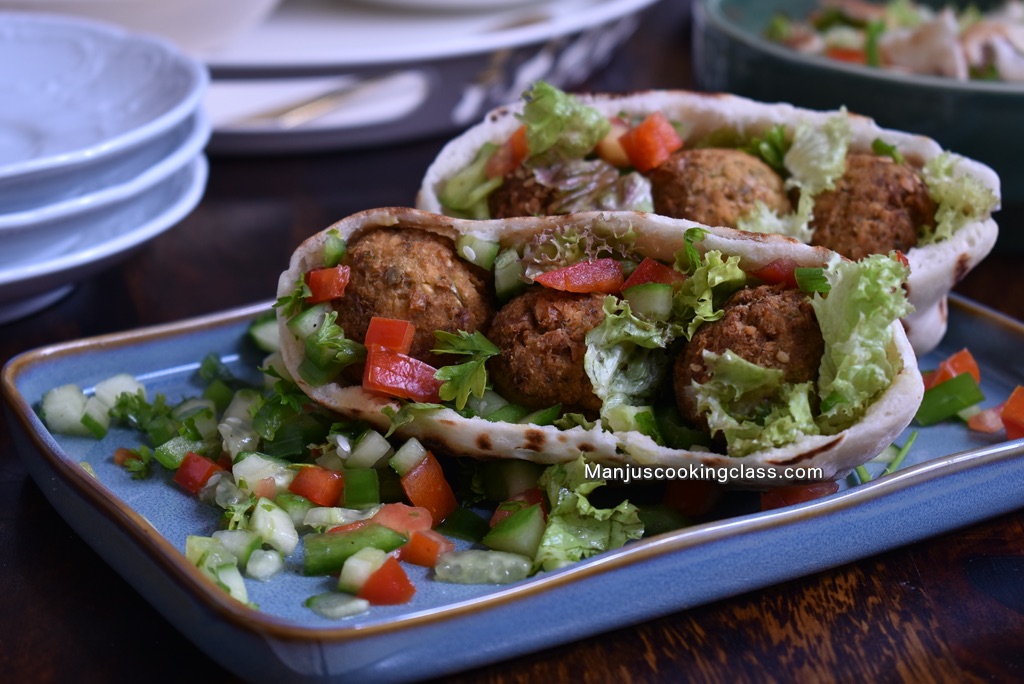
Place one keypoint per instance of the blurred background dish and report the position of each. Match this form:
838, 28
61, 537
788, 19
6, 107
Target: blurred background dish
197, 26
979, 119
364, 74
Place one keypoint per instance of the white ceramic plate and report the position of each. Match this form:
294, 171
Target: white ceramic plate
388, 74
77, 95
29, 288
54, 229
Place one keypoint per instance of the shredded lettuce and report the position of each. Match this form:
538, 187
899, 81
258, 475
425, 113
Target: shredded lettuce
591, 185
961, 198
558, 247
701, 296
864, 299
751, 405
558, 126
577, 529
465, 193
761, 219
816, 159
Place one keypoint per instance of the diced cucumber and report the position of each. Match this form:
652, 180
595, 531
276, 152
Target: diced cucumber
220, 393
253, 467
62, 410
362, 487
358, 567
274, 526
509, 413
296, 506
241, 543
264, 564
242, 404
335, 248
265, 333
505, 478
408, 456
171, 453
327, 552
476, 566
237, 436
484, 405
508, 274
462, 523
229, 577
470, 185
96, 417
334, 605
323, 517
519, 533
653, 300
544, 416
369, 449
477, 250
274, 368
110, 389
306, 322
201, 412
215, 561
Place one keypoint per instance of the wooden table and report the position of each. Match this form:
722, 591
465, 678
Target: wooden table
919, 613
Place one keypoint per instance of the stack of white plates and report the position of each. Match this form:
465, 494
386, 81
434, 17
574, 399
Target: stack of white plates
101, 149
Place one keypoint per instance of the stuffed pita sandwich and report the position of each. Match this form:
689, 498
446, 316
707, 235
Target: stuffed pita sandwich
626, 337
828, 178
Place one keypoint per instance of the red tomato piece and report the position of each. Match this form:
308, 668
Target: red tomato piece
1013, 414
347, 527
778, 271
265, 488
400, 375
425, 547
957, 364
391, 333
651, 142
902, 258
599, 275
388, 585
123, 455
794, 494
403, 518
321, 486
653, 271
849, 55
326, 284
195, 471
988, 421
509, 156
524, 499
692, 497
426, 486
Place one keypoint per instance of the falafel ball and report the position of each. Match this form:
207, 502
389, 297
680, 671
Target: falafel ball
716, 186
769, 325
541, 334
521, 194
876, 206
414, 275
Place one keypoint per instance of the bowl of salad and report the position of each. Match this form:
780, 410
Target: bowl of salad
953, 71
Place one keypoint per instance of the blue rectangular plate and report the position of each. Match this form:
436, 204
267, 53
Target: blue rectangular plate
950, 479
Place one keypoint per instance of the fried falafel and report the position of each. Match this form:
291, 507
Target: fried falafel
877, 206
771, 326
716, 186
542, 337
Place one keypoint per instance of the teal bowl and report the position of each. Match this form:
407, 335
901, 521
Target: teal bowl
977, 119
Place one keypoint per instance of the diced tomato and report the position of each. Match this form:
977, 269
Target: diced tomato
692, 497
321, 486
400, 375
426, 486
524, 499
388, 585
1013, 414
265, 488
850, 55
653, 271
599, 275
794, 494
326, 284
509, 156
958, 363
391, 333
988, 420
651, 142
902, 258
778, 271
609, 148
425, 547
195, 471
403, 518
224, 460
123, 455
348, 527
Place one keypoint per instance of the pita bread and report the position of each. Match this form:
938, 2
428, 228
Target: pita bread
935, 268
658, 237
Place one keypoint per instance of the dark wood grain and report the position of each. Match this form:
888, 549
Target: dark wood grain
944, 609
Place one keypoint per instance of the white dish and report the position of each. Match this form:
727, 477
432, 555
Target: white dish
393, 75
53, 229
29, 288
79, 94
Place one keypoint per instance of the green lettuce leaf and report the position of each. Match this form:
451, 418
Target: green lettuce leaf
558, 126
864, 299
751, 406
761, 219
577, 529
594, 185
701, 296
961, 198
816, 159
